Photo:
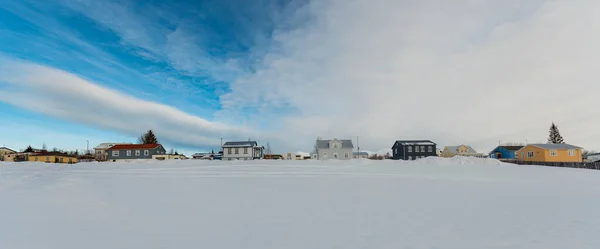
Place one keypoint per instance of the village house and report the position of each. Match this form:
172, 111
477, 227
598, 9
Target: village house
52, 157
163, 157
7, 154
413, 149
460, 150
550, 153
361, 154
242, 150
333, 149
505, 152
100, 151
134, 151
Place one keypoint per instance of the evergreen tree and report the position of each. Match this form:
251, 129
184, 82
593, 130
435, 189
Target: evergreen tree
555, 137
29, 149
148, 138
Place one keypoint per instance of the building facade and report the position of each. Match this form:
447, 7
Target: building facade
333, 149
6, 154
550, 153
505, 152
134, 151
413, 149
242, 150
52, 157
100, 151
461, 150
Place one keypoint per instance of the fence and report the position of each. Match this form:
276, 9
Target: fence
582, 165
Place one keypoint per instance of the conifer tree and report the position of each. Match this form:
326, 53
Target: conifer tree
555, 137
148, 138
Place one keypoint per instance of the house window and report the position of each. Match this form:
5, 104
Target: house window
516, 154
430, 148
416, 148
115, 153
522, 154
60, 160
571, 152
553, 152
409, 148
137, 153
396, 151
146, 152
229, 151
245, 150
347, 155
422, 148
36, 158
335, 155
128, 153
324, 155
530, 154
237, 151
47, 159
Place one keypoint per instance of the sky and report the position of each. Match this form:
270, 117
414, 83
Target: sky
288, 71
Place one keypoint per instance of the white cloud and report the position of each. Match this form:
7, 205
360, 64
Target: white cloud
453, 71
66, 96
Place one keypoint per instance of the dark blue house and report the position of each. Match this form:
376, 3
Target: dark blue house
505, 152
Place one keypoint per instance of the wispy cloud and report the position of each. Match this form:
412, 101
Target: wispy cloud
66, 96
456, 72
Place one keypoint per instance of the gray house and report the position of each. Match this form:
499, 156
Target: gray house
134, 151
242, 150
333, 149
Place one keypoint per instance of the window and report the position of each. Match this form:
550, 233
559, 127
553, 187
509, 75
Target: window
335, 155
396, 151
146, 152
409, 148
553, 152
430, 148
571, 152
115, 153
237, 151
128, 153
245, 150
36, 158
47, 159
324, 155
229, 151
347, 155
137, 153
530, 154
416, 148
516, 154
522, 154
60, 160
422, 148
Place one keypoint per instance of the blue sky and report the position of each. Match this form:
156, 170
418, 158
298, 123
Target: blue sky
289, 71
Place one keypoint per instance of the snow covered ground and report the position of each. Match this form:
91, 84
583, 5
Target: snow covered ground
432, 203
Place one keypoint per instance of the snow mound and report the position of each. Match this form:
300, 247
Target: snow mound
467, 203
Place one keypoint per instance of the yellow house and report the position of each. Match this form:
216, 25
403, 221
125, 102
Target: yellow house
52, 157
460, 150
550, 153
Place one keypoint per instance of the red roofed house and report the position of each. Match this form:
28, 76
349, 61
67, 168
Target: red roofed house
134, 151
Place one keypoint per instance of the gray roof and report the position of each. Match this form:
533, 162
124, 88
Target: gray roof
324, 144
5, 148
107, 145
362, 153
455, 148
555, 146
240, 144
413, 142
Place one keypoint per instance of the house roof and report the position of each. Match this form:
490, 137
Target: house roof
52, 153
555, 146
511, 148
5, 148
324, 144
413, 142
107, 145
133, 146
455, 148
361, 153
240, 144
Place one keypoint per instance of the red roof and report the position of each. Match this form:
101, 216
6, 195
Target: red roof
133, 146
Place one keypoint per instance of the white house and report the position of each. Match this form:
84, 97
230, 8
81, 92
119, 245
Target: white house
333, 149
242, 150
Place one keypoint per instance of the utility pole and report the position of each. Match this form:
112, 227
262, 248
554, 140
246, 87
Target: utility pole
357, 147
87, 148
